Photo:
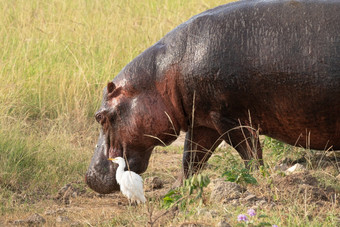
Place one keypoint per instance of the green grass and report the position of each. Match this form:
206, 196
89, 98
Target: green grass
38, 164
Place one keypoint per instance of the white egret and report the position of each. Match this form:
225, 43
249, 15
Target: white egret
131, 184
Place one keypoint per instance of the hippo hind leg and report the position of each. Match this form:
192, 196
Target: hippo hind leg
199, 144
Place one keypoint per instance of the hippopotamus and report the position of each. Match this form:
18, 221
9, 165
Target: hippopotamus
269, 67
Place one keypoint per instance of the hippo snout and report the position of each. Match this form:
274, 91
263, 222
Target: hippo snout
103, 184
101, 174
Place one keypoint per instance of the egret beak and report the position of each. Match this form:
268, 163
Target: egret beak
111, 159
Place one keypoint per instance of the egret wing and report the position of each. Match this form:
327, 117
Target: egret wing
133, 183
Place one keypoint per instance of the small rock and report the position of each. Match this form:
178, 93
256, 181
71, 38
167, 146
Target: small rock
249, 198
64, 189
223, 223
261, 202
65, 193
207, 213
18, 222
224, 191
192, 225
295, 168
69, 191
281, 167
53, 212
35, 219
62, 219
213, 213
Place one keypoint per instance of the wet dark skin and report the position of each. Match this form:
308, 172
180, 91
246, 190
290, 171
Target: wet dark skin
271, 67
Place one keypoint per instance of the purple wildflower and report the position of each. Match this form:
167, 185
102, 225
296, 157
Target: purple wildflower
251, 212
242, 217
275, 226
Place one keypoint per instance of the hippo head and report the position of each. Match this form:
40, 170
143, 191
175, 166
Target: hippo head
132, 124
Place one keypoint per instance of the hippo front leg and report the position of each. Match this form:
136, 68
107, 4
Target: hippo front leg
242, 137
199, 144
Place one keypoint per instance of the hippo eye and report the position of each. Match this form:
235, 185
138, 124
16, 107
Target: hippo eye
99, 117
105, 117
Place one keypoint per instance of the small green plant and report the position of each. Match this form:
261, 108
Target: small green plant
240, 176
118, 221
279, 150
190, 192
264, 171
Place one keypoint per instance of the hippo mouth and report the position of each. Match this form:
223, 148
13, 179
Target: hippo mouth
101, 174
102, 178
113, 150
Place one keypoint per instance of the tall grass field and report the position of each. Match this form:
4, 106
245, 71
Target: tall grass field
56, 57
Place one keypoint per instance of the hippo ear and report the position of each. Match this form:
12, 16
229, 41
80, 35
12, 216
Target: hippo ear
112, 90
110, 87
